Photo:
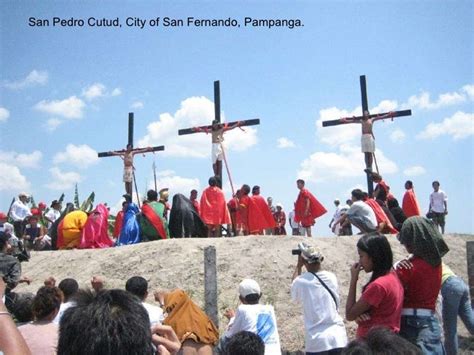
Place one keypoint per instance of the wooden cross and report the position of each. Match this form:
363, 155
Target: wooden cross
371, 118
127, 156
217, 130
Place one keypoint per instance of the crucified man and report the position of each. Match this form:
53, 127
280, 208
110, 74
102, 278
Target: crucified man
127, 157
367, 139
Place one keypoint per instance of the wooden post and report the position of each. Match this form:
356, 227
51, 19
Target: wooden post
470, 268
210, 284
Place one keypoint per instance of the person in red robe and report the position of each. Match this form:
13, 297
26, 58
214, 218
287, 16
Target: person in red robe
119, 220
95, 232
193, 197
383, 222
235, 214
280, 219
307, 208
260, 216
214, 210
410, 204
243, 209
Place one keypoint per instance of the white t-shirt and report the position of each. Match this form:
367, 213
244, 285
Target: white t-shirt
363, 210
437, 200
53, 215
291, 219
259, 319
324, 328
62, 308
19, 211
154, 312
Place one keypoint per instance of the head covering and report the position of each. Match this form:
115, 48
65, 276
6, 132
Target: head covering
127, 197
248, 287
425, 239
164, 193
279, 205
35, 212
3, 215
54, 202
22, 194
310, 254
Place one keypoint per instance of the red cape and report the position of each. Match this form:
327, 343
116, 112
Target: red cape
316, 209
118, 224
410, 204
380, 215
60, 241
95, 231
260, 216
154, 220
213, 207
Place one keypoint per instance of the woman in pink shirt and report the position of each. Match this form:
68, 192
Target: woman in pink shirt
380, 304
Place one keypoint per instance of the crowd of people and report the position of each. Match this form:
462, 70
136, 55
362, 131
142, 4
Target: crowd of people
396, 310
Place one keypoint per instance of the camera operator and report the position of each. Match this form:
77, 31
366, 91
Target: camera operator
317, 291
10, 269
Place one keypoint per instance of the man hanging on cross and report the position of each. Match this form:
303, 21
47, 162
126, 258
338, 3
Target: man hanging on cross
367, 138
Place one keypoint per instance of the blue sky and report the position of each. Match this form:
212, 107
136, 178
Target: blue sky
65, 94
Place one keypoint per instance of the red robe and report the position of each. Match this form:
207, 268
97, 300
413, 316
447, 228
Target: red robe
260, 215
380, 215
243, 212
316, 209
213, 207
196, 206
410, 204
154, 220
118, 224
235, 214
95, 232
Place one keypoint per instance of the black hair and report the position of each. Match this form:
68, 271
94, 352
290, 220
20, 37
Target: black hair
357, 347
3, 239
69, 287
137, 285
378, 248
300, 181
255, 189
194, 191
110, 322
46, 301
409, 183
392, 203
358, 194
212, 181
245, 343
245, 189
252, 298
383, 341
22, 308
151, 195
435, 182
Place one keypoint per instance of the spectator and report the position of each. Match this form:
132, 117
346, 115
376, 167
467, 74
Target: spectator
69, 288
138, 286
42, 334
317, 290
280, 220
18, 212
359, 214
438, 206
245, 343
335, 217
253, 317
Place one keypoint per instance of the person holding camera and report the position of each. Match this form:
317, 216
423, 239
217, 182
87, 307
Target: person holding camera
317, 291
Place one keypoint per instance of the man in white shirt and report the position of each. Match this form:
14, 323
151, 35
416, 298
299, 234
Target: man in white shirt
18, 212
317, 291
438, 206
335, 217
138, 286
69, 287
295, 226
53, 213
254, 317
359, 214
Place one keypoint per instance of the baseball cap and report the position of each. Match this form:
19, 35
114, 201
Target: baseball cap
310, 254
248, 287
3, 215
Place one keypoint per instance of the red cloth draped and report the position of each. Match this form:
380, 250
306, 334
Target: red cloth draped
260, 215
154, 220
214, 207
243, 212
196, 206
95, 231
60, 241
410, 204
380, 215
316, 209
118, 224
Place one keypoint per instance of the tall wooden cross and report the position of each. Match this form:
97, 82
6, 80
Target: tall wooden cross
217, 130
359, 119
127, 156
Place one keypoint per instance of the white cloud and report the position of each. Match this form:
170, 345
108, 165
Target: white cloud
423, 100
22, 159
62, 180
194, 111
284, 142
414, 171
11, 178
349, 162
4, 114
385, 106
98, 90
337, 135
176, 184
397, 136
137, 105
80, 155
68, 108
52, 124
459, 126
35, 77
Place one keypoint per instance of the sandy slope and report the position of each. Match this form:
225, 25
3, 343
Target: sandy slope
179, 263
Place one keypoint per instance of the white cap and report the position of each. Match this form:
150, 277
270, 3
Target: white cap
22, 194
248, 287
279, 205
310, 254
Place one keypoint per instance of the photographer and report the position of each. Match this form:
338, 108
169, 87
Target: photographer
317, 290
10, 268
